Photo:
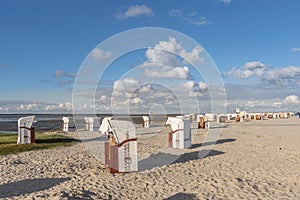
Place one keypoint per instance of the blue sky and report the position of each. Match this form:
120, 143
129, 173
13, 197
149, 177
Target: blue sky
255, 45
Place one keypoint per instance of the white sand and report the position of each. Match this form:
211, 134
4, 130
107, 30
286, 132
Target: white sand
252, 160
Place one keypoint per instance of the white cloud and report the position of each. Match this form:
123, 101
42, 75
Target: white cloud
282, 76
165, 53
26, 107
175, 13
136, 100
198, 22
278, 76
125, 84
168, 72
103, 108
146, 88
169, 102
171, 57
292, 99
194, 56
225, 1
195, 89
67, 106
103, 98
135, 11
191, 18
255, 68
21, 106
100, 55
295, 49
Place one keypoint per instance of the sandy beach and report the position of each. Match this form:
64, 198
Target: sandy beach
251, 160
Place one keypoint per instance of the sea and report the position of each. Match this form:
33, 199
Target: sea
53, 122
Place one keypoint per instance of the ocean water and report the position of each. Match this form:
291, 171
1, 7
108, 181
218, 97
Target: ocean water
9, 122
46, 122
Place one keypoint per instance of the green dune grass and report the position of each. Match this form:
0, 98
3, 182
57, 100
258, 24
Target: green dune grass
8, 143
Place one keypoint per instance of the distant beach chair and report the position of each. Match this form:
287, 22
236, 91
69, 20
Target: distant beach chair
65, 124
258, 117
121, 149
202, 123
26, 131
221, 119
180, 136
89, 123
146, 122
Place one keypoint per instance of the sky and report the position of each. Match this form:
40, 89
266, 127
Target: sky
252, 47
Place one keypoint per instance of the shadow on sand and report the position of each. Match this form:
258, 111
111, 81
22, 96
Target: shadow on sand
221, 141
56, 140
29, 186
160, 159
182, 196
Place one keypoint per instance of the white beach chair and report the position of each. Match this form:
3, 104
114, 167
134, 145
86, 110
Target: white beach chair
146, 122
65, 124
104, 127
180, 136
26, 132
89, 123
121, 149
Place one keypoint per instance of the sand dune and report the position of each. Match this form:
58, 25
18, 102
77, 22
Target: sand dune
251, 160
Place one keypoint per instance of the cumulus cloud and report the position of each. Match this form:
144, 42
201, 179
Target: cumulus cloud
136, 100
171, 57
27, 107
292, 99
135, 11
22, 106
282, 76
191, 18
67, 106
100, 55
125, 84
195, 88
295, 49
278, 76
193, 56
255, 68
168, 72
146, 88
165, 53
125, 89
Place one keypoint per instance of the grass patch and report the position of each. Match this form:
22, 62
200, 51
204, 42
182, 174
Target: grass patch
8, 143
